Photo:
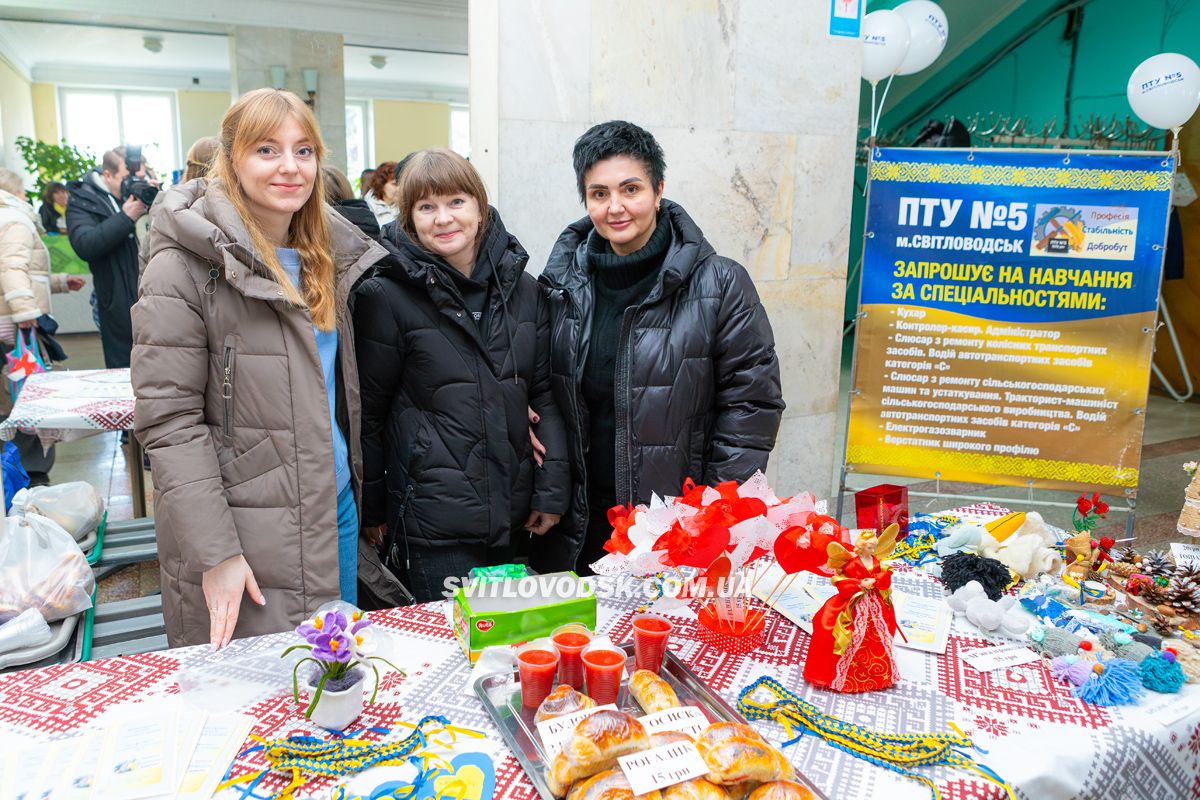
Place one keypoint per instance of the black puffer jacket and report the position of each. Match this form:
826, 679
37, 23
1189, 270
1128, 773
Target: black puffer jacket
697, 384
103, 236
446, 451
358, 212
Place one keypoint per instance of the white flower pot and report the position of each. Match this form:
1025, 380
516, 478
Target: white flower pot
336, 710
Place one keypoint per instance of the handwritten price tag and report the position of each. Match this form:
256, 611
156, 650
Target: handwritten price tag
986, 659
662, 766
687, 719
1186, 554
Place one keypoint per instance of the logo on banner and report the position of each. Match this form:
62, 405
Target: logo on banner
1103, 232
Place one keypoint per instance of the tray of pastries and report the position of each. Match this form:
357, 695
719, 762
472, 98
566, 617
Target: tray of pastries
581, 761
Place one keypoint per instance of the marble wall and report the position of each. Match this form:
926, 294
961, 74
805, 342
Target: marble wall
756, 109
253, 51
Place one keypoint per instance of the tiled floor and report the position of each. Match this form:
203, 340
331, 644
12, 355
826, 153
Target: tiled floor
1172, 437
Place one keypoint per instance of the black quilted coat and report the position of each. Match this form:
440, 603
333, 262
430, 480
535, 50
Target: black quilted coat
446, 451
697, 384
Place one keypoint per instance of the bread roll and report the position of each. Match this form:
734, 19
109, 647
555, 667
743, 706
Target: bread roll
782, 790
651, 692
695, 789
562, 701
596, 745
608, 785
736, 753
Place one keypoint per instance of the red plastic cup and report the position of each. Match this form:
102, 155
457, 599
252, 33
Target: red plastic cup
570, 640
650, 634
602, 667
537, 662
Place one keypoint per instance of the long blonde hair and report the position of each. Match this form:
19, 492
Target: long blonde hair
254, 117
200, 157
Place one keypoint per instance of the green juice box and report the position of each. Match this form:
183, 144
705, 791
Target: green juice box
516, 610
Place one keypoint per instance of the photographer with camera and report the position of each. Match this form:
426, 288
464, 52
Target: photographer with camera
101, 215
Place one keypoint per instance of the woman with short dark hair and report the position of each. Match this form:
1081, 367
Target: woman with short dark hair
663, 356
453, 353
381, 195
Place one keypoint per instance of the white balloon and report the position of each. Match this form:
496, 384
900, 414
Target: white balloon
928, 28
1164, 90
885, 41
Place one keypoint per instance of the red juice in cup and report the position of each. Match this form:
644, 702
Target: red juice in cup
536, 662
603, 667
650, 634
570, 640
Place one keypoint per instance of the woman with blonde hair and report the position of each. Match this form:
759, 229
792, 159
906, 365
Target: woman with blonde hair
247, 385
200, 157
454, 354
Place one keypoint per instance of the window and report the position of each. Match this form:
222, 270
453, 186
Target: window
358, 140
99, 120
460, 130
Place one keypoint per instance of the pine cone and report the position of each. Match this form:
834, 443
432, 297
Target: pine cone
1153, 594
1122, 568
1156, 563
1186, 573
1127, 555
1184, 595
1161, 624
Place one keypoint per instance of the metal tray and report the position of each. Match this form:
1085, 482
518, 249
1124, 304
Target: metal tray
500, 693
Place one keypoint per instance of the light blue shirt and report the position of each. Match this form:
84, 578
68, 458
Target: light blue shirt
327, 345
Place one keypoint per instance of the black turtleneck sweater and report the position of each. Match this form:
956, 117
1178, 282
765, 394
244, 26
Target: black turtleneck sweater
620, 283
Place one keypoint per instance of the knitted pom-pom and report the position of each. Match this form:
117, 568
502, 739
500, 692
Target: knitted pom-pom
1122, 645
960, 569
1161, 673
1051, 642
1113, 683
1069, 669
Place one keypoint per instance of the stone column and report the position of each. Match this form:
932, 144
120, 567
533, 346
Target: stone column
252, 53
757, 110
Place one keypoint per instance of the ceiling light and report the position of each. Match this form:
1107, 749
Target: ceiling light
152, 43
378, 62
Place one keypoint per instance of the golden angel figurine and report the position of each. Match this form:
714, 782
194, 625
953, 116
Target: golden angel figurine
851, 647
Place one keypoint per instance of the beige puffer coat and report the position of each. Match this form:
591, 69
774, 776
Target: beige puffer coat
232, 410
25, 278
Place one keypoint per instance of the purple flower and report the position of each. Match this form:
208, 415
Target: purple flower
333, 647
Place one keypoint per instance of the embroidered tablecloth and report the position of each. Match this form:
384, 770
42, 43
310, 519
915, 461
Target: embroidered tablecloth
64, 405
1044, 741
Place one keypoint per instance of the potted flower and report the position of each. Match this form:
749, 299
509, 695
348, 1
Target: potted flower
339, 645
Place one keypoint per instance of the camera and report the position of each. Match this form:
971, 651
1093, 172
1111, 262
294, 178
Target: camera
133, 185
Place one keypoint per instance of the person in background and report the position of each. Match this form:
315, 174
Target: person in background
381, 195
660, 344
54, 208
200, 158
364, 181
25, 286
247, 384
453, 351
339, 195
102, 228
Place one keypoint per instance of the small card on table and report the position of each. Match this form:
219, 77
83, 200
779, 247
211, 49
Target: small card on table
557, 731
986, 659
662, 766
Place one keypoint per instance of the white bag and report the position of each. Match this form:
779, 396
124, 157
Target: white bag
42, 567
76, 506
27, 629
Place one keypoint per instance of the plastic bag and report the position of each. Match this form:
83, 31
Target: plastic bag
15, 477
27, 629
75, 506
42, 567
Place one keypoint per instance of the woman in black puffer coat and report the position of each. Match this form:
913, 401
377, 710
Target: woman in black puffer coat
663, 356
452, 340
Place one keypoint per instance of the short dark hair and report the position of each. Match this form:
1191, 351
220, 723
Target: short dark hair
618, 138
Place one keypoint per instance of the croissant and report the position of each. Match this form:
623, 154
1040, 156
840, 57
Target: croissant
563, 700
609, 785
695, 789
782, 790
735, 753
651, 692
596, 745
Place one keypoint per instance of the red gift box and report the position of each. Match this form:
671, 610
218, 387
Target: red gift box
882, 505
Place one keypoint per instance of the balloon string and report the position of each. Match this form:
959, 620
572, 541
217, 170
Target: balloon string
873, 84
882, 100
